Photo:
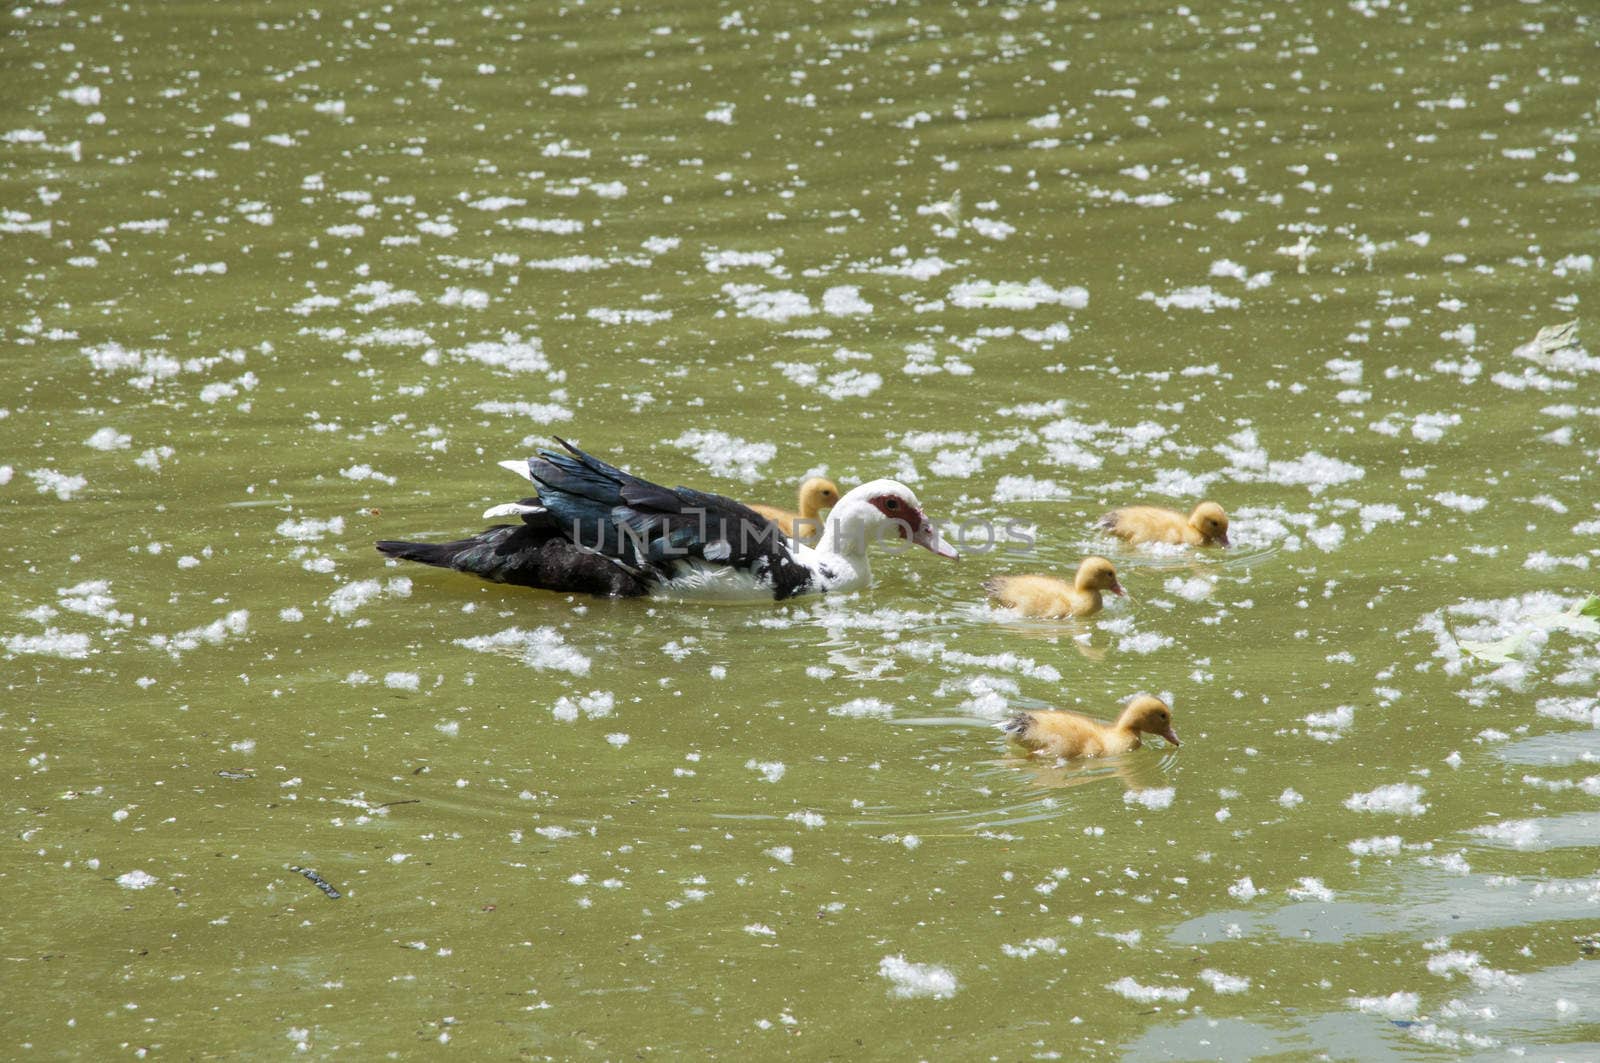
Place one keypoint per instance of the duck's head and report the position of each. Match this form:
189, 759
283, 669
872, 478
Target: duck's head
1098, 574
817, 494
1149, 715
868, 512
1212, 524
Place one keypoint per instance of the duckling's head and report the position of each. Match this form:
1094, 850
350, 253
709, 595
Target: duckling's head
1097, 574
1149, 715
818, 493
1212, 524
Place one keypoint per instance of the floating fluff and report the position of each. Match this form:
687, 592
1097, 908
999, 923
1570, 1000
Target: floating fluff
1397, 799
908, 980
1126, 986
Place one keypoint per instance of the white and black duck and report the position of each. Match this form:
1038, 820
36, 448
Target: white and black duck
594, 529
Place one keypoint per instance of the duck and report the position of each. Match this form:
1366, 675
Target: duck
1206, 526
1068, 735
816, 494
594, 529
1052, 598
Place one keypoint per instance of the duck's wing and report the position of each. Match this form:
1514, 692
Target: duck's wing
648, 528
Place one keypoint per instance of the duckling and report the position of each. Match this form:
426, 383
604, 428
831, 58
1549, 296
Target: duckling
1067, 735
1053, 598
1206, 526
816, 494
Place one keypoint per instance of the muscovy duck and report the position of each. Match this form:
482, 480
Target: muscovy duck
816, 494
594, 529
1206, 526
1067, 734
1047, 596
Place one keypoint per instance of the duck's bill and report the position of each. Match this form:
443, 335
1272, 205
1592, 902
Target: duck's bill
928, 538
1171, 736
1116, 588
1222, 540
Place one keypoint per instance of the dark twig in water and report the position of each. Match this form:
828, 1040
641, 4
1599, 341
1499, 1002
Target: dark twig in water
318, 881
408, 801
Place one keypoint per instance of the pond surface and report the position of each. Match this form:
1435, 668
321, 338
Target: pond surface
281, 284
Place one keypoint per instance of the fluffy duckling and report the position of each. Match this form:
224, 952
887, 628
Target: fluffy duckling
1046, 596
1067, 735
1206, 526
816, 494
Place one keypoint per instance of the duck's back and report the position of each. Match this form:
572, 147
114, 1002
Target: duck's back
1041, 596
1066, 734
1149, 524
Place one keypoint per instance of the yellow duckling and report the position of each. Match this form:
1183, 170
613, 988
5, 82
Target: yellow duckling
816, 494
1067, 735
1053, 598
1206, 526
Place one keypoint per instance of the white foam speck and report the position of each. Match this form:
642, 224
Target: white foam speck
402, 680
770, 770
52, 643
727, 455
366, 472
510, 352
63, 486
595, 705
1464, 503
470, 298
310, 529
109, 438
1154, 798
908, 980
537, 412
136, 880
752, 300
1009, 295
1387, 845
844, 300
1245, 890
1200, 297
1399, 1006
1224, 983
1517, 833
783, 854
1144, 642
1397, 799
860, 707
1148, 994
1310, 889
1192, 589
542, 649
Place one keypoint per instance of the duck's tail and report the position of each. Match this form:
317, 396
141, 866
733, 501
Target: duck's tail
527, 555
1018, 726
493, 553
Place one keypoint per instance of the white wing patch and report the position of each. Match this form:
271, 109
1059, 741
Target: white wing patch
718, 552
510, 509
518, 466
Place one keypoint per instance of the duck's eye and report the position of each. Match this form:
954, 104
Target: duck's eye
893, 503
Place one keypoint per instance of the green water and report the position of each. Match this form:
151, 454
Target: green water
278, 280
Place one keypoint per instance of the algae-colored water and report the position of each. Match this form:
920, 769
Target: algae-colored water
283, 282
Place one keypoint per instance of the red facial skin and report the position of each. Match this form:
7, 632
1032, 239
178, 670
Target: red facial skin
909, 517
